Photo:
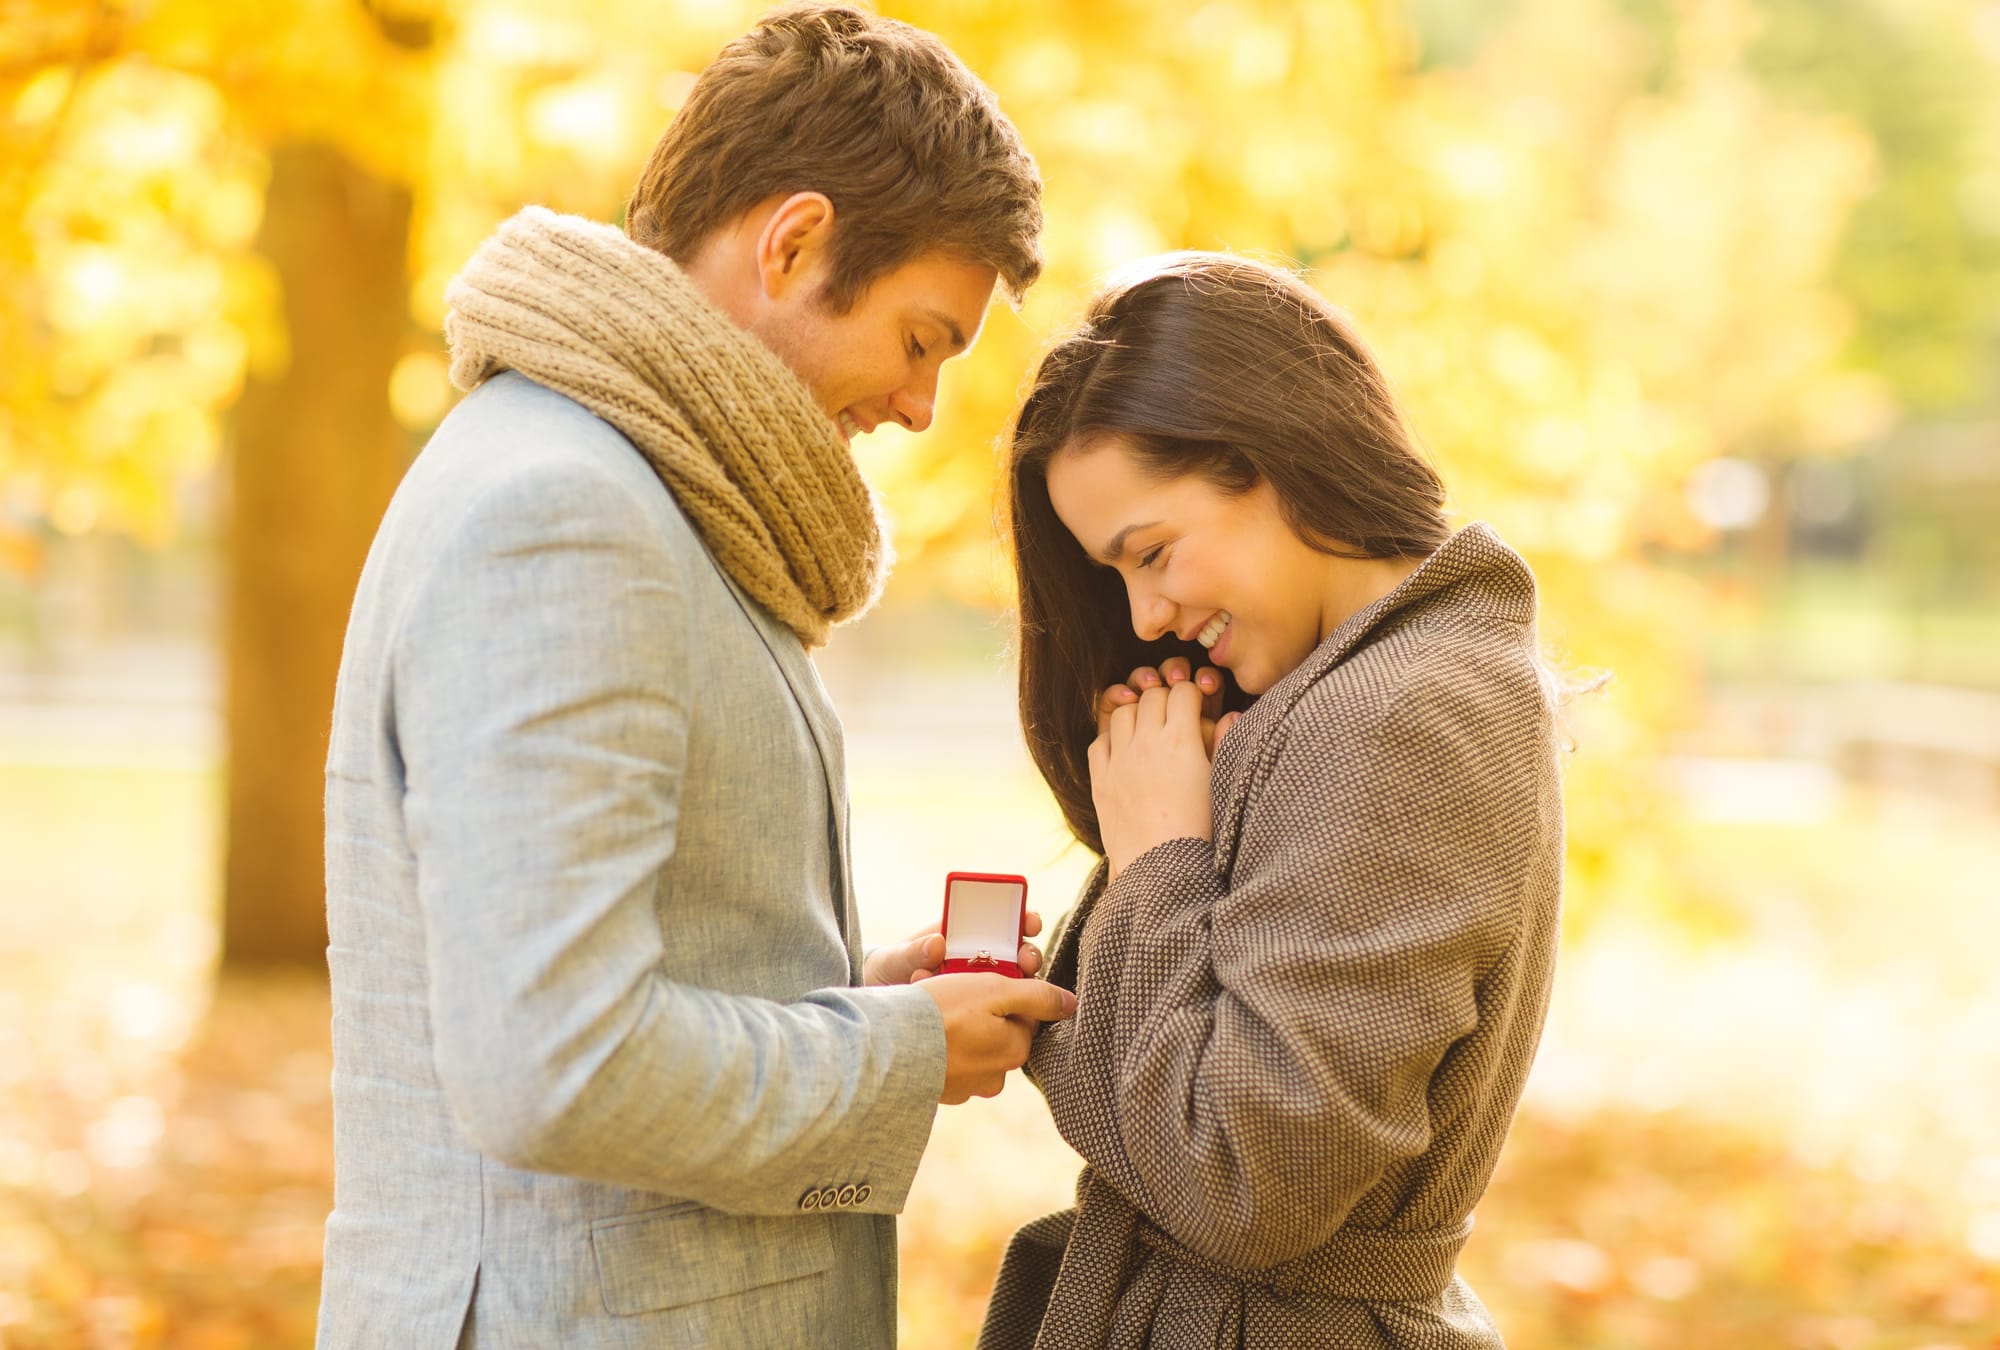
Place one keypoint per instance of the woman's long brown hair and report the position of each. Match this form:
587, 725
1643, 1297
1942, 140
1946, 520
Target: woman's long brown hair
1199, 363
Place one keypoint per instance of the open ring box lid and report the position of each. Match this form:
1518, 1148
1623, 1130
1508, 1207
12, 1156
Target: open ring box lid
984, 913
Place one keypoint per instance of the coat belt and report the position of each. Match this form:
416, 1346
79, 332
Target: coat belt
1369, 1265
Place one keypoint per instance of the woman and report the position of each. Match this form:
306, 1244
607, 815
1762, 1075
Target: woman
1310, 975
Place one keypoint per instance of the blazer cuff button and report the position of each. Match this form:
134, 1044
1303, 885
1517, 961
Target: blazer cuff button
846, 1196
810, 1200
828, 1198
861, 1194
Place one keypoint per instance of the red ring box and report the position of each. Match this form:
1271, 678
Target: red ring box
984, 913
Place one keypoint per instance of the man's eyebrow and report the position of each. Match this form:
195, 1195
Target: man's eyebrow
1115, 550
950, 325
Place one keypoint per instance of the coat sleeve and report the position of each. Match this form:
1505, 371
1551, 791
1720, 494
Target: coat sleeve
542, 702
1247, 1060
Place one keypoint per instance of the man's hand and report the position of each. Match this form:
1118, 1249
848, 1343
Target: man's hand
989, 1023
1214, 723
918, 956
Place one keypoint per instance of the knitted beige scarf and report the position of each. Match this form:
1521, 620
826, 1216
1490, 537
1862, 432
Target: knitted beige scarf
732, 432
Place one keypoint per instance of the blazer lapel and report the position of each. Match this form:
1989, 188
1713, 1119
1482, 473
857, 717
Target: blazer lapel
817, 708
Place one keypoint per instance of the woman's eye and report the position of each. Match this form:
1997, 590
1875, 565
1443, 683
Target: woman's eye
1147, 561
916, 349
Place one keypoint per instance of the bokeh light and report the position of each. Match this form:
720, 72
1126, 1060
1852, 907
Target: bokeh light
1698, 304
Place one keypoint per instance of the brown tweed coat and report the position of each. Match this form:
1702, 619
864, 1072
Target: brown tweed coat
1297, 1051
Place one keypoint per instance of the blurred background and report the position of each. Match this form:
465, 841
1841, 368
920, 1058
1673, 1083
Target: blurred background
1698, 301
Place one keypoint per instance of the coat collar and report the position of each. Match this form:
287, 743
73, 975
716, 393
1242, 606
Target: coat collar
1473, 571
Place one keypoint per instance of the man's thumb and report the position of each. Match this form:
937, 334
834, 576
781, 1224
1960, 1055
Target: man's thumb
1041, 1000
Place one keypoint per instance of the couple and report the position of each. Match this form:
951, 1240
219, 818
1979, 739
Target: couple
612, 1066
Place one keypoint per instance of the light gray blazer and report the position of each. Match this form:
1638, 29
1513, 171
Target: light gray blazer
600, 1074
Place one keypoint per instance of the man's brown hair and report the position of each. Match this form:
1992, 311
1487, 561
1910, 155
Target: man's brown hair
910, 147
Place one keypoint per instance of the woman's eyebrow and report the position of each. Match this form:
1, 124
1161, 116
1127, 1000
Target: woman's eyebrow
1115, 550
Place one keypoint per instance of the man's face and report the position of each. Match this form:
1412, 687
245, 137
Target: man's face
879, 361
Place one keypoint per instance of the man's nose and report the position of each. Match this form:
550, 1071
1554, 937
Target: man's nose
915, 401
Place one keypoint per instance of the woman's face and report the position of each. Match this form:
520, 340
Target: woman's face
1198, 562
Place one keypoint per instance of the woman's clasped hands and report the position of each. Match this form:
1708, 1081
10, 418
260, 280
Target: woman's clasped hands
1149, 765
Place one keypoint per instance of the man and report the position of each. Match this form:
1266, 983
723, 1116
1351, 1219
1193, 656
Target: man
605, 1073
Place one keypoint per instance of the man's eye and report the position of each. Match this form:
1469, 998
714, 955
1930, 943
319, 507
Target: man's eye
916, 349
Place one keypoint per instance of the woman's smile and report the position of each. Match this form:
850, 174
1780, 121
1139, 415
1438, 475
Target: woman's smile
1212, 631
1181, 543
1218, 647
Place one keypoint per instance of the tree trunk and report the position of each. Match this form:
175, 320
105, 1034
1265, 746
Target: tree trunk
317, 455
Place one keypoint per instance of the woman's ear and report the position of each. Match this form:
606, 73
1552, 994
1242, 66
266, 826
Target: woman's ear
792, 247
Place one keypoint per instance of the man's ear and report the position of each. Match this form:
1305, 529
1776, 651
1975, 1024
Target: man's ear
792, 246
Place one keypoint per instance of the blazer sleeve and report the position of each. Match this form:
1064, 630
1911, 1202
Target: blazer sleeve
1248, 1059
541, 700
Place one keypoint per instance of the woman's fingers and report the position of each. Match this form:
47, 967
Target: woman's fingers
1124, 720
1151, 711
1209, 680
1111, 698
1151, 693
1212, 732
1176, 670
1159, 706
1184, 704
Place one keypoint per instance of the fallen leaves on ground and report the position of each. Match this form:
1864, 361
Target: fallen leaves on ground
186, 1210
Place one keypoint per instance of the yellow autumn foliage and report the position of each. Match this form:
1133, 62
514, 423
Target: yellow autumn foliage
1584, 277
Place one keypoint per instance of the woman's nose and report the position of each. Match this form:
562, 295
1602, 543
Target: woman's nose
1152, 615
